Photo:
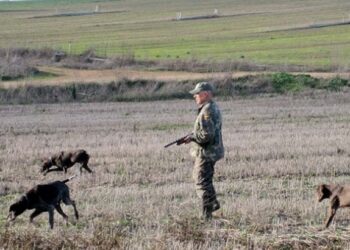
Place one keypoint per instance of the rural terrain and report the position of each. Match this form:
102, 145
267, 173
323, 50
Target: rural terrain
313, 33
112, 77
141, 196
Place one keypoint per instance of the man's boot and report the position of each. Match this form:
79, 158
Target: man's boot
216, 205
207, 211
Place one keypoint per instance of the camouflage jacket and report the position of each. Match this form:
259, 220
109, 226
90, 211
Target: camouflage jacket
207, 133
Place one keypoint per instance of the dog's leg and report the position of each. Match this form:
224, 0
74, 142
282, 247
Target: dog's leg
60, 211
331, 213
35, 214
84, 165
75, 210
51, 210
332, 210
54, 169
68, 201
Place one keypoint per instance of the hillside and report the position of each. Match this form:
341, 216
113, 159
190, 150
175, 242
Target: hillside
309, 33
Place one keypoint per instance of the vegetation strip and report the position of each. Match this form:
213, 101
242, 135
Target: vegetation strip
148, 90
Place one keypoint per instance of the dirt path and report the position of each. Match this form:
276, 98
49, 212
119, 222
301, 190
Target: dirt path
67, 76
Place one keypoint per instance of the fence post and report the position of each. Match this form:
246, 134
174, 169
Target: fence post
106, 46
178, 15
69, 48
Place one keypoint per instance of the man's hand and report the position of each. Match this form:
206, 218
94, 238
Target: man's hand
183, 140
187, 139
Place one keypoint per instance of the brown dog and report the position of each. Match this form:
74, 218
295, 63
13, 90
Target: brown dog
65, 160
44, 198
339, 197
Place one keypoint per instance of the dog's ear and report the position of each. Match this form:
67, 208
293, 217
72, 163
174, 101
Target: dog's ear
323, 192
11, 216
43, 160
319, 192
46, 163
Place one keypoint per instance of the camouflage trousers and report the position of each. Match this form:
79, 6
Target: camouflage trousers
203, 173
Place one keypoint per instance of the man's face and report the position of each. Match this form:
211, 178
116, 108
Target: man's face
201, 97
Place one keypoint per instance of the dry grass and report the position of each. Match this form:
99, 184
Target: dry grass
142, 196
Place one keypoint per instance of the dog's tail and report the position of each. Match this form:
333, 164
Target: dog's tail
72, 177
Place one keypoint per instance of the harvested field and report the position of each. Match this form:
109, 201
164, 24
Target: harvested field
142, 196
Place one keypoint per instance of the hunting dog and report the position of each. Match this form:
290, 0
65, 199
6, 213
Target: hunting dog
339, 197
44, 198
65, 160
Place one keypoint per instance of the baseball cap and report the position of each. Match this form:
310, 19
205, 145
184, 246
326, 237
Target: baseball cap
202, 86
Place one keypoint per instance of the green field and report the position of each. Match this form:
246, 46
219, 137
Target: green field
269, 31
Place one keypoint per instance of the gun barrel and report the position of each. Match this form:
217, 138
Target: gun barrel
178, 141
169, 144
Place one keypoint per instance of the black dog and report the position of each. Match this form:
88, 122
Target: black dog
65, 160
44, 198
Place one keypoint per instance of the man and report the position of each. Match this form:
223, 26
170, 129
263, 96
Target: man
207, 146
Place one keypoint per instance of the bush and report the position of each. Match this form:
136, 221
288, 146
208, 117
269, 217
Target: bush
337, 84
15, 68
284, 82
308, 81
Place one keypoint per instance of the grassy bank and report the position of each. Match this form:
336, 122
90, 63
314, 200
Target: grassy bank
147, 90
